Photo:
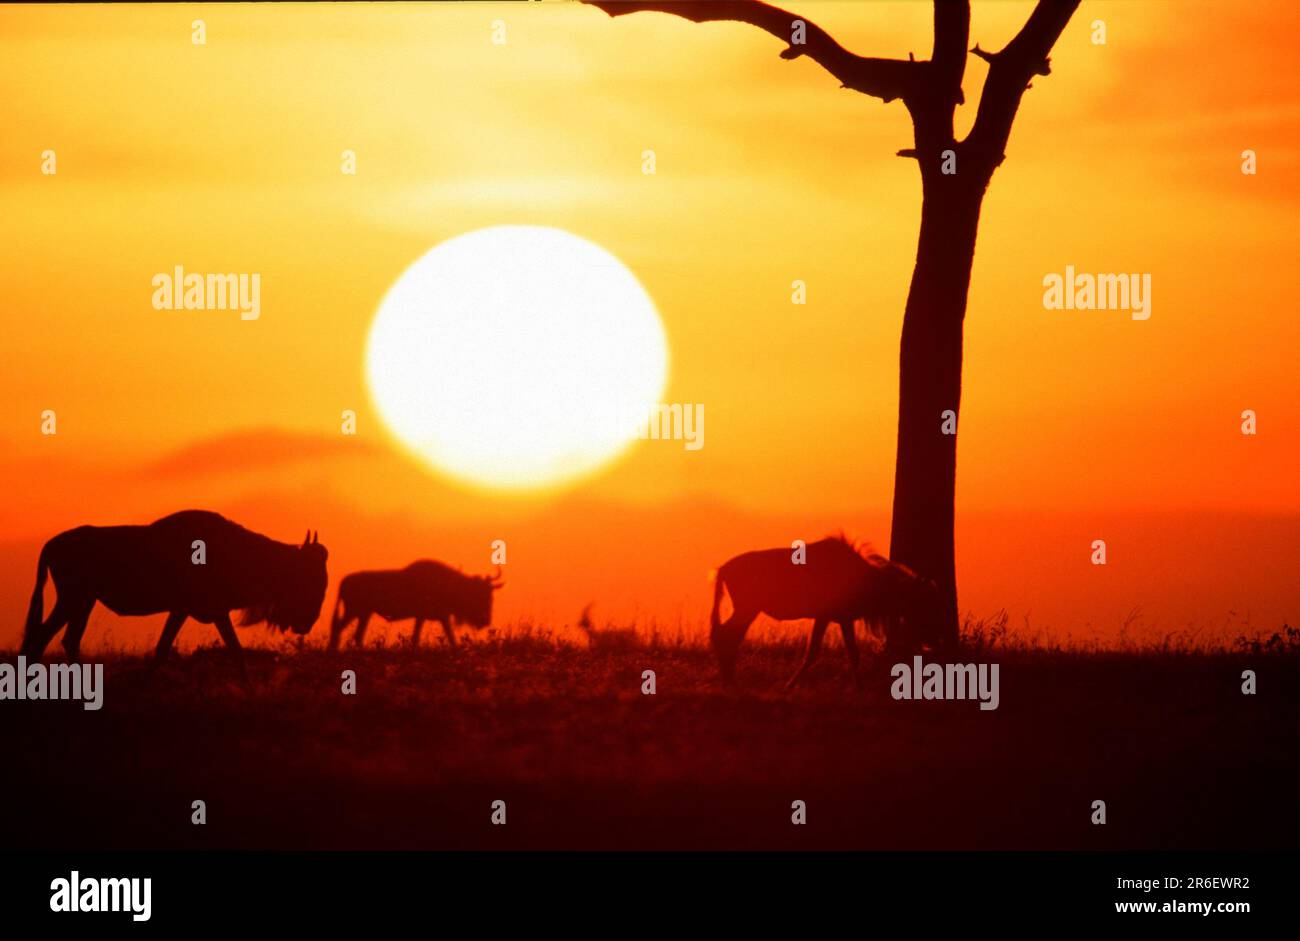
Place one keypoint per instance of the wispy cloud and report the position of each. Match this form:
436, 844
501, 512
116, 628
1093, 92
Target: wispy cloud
256, 450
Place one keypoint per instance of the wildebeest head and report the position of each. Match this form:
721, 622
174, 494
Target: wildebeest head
910, 599
476, 609
922, 609
300, 590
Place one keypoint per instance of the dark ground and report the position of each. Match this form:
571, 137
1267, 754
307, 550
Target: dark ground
1182, 758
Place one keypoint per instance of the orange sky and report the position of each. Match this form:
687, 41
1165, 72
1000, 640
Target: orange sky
1075, 425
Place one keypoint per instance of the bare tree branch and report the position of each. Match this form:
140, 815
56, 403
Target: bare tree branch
1010, 72
886, 79
934, 104
951, 33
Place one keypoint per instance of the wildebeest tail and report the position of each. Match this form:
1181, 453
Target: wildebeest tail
718, 586
336, 616
35, 610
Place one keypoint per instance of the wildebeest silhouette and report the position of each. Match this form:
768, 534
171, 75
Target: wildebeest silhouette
835, 582
138, 570
425, 590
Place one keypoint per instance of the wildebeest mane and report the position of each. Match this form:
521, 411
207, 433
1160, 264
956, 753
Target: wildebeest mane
862, 548
265, 555
431, 564
869, 554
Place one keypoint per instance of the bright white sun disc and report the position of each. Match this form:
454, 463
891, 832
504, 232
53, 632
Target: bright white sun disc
516, 357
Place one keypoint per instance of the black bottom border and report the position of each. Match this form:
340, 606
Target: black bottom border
533, 890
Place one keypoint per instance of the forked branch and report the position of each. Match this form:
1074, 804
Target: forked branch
1010, 72
931, 89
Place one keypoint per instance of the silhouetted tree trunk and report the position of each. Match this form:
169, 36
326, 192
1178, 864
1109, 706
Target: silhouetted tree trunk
929, 388
954, 177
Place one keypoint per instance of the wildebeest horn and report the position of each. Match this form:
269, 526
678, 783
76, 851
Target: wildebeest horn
496, 580
306, 540
315, 537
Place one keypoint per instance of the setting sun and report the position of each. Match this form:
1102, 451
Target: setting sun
516, 357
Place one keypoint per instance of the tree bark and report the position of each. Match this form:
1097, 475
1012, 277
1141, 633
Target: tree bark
930, 361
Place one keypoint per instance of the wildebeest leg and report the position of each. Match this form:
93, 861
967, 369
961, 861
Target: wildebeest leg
76, 628
35, 645
848, 629
337, 627
446, 629
726, 640
814, 648
363, 621
169, 632
231, 640
419, 626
